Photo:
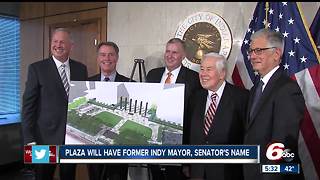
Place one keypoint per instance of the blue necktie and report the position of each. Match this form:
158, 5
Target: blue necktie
257, 95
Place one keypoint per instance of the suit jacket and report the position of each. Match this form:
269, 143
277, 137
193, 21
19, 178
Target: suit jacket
227, 128
192, 83
45, 102
276, 119
119, 78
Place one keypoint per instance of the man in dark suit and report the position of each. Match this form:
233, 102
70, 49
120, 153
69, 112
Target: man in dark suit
45, 100
174, 72
276, 104
107, 58
218, 122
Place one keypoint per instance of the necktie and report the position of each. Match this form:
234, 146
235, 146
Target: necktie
64, 78
210, 113
257, 95
168, 80
106, 79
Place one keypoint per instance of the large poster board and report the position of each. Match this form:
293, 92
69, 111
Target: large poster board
124, 113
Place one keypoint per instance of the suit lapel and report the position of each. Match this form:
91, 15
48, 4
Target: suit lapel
221, 109
268, 90
181, 76
202, 108
73, 70
251, 95
117, 78
56, 76
157, 75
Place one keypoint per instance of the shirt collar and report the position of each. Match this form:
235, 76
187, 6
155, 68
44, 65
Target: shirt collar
267, 77
112, 76
219, 91
175, 72
59, 63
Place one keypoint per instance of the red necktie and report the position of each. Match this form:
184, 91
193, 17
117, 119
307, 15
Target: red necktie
210, 113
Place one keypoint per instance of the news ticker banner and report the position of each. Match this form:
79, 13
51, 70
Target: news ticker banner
142, 154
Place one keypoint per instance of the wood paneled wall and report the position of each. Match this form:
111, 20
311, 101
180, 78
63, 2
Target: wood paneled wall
36, 18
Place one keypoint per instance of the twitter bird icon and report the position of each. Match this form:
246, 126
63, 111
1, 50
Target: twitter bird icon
40, 154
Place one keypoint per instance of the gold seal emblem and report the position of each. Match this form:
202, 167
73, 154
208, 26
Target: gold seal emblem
204, 32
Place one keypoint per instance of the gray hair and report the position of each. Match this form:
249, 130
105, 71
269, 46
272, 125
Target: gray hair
221, 61
275, 39
66, 30
177, 40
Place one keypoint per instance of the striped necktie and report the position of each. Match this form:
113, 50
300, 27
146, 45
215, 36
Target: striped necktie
210, 114
64, 78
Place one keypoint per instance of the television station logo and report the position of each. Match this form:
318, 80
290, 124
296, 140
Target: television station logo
277, 151
40, 154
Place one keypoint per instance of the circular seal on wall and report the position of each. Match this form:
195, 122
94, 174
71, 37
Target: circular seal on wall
204, 32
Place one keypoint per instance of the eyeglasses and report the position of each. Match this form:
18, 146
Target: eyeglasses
258, 51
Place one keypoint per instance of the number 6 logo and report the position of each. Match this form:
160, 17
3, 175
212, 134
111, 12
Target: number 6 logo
274, 151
